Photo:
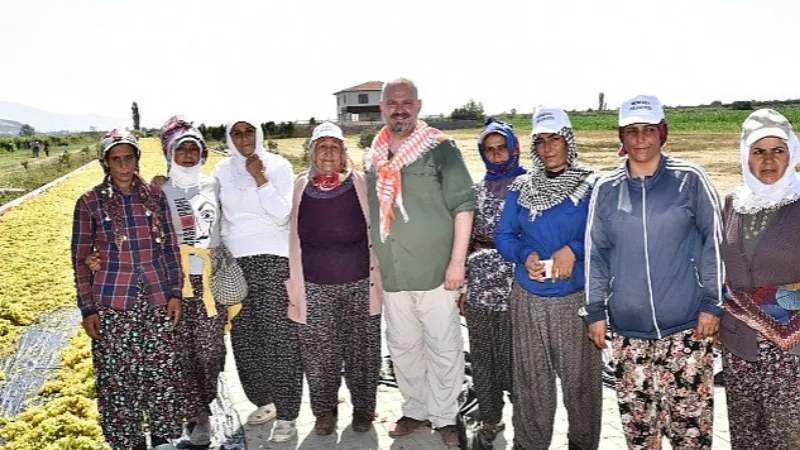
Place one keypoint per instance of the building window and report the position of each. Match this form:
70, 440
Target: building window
344, 99
363, 99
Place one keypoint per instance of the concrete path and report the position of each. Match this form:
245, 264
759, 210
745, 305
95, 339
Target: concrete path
389, 402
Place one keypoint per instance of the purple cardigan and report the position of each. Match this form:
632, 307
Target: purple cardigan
775, 261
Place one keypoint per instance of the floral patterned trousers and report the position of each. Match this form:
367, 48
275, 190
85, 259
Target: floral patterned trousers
665, 387
137, 371
763, 399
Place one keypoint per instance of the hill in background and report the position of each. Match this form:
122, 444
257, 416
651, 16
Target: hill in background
45, 121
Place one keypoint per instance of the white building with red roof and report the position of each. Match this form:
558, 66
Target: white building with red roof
359, 103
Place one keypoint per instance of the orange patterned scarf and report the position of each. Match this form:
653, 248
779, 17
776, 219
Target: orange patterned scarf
389, 181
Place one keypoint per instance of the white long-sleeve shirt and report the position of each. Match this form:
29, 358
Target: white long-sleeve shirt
256, 219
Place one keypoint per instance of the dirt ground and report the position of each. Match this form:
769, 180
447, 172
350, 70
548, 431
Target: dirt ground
718, 153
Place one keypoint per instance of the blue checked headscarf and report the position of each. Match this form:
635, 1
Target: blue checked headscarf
510, 168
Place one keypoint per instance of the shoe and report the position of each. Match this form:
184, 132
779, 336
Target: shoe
449, 435
262, 414
362, 422
326, 423
283, 430
491, 430
201, 434
407, 425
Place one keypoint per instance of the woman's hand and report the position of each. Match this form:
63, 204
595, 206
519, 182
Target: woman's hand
534, 267
462, 303
92, 326
93, 262
175, 311
255, 167
597, 334
158, 181
707, 326
563, 263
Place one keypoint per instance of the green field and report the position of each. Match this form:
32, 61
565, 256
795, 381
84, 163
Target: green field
705, 120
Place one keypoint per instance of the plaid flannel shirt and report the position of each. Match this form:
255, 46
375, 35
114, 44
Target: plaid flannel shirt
141, 257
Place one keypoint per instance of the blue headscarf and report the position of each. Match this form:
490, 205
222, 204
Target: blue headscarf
510, 168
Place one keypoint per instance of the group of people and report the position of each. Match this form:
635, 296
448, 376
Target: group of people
35, 145
540, 261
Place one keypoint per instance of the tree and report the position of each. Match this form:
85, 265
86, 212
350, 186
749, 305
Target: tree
601, 102
312, 121
135, 114
472, 110
269, 129
26, 130
513, 113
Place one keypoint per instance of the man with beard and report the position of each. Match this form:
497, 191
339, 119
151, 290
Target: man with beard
416, 171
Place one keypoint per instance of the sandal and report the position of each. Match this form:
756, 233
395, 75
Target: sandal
262, 414
407, 425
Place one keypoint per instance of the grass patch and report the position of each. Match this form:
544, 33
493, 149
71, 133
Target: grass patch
32, 173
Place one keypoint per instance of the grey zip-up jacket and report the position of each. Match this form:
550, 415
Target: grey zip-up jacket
652, 250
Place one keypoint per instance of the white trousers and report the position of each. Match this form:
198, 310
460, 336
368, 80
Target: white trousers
423, 333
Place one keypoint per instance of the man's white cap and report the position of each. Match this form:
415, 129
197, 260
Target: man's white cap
641, 109
327, 129
550, 120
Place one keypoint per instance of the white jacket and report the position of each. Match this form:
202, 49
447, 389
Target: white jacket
255, 220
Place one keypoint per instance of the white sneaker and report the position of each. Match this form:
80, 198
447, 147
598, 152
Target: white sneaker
283, 430
262, 414
201, 434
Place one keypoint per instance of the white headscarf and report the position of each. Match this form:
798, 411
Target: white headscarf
756, 196
184, 177
243, 177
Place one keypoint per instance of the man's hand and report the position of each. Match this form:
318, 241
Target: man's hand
174, 311
93, 262
597, 334
92, 326
534, 267
707, 326
563, 263
454, 276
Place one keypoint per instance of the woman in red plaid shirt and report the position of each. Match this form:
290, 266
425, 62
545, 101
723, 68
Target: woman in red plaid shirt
132, 305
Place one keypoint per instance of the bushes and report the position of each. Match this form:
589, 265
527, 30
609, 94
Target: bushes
365, 138
11, 144
742, 105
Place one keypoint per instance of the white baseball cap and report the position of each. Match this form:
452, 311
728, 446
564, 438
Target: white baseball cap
327, 129
641, 109
550, 120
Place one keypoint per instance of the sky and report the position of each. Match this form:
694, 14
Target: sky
215, 61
